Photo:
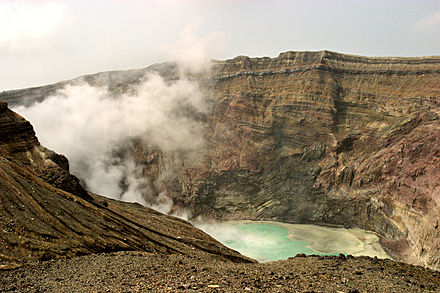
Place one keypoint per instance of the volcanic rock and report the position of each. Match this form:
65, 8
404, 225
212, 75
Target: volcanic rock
46, 214
144, 272
309, 137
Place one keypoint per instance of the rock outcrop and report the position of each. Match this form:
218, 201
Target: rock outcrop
311, 137
46, 214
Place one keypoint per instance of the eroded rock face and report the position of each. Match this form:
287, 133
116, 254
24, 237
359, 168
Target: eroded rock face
18, 140
330, 138
313, 137
45, 213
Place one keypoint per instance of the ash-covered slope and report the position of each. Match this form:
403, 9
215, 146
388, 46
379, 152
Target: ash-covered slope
45, 213
310, 137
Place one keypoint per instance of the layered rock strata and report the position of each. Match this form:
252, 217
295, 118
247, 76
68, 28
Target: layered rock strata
46, 214
310, 137
329, 138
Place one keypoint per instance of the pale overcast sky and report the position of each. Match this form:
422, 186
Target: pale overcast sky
43, 42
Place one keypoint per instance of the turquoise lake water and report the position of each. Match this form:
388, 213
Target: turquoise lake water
265, 242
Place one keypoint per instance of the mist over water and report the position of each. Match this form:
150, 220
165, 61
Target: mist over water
258, 241
271, 241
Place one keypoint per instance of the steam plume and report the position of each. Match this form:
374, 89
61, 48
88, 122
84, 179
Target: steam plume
100, 132
96, 130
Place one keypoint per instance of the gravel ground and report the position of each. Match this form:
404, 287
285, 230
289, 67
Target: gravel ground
143, 272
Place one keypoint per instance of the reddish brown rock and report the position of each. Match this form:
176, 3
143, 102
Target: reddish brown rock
18, 140
46, 214
312, 137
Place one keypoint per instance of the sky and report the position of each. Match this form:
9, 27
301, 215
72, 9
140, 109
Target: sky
43, 42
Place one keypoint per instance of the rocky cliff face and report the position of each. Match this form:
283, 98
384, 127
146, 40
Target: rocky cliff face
330, 138
311, 137
45, 213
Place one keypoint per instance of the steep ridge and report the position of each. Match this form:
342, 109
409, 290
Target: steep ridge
46, 214
310, 137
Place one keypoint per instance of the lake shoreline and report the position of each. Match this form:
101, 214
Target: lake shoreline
330, 239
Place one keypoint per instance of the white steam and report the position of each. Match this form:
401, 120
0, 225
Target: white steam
95, 130
110, 137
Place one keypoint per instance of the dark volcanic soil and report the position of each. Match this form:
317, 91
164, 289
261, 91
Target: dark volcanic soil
141, 272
